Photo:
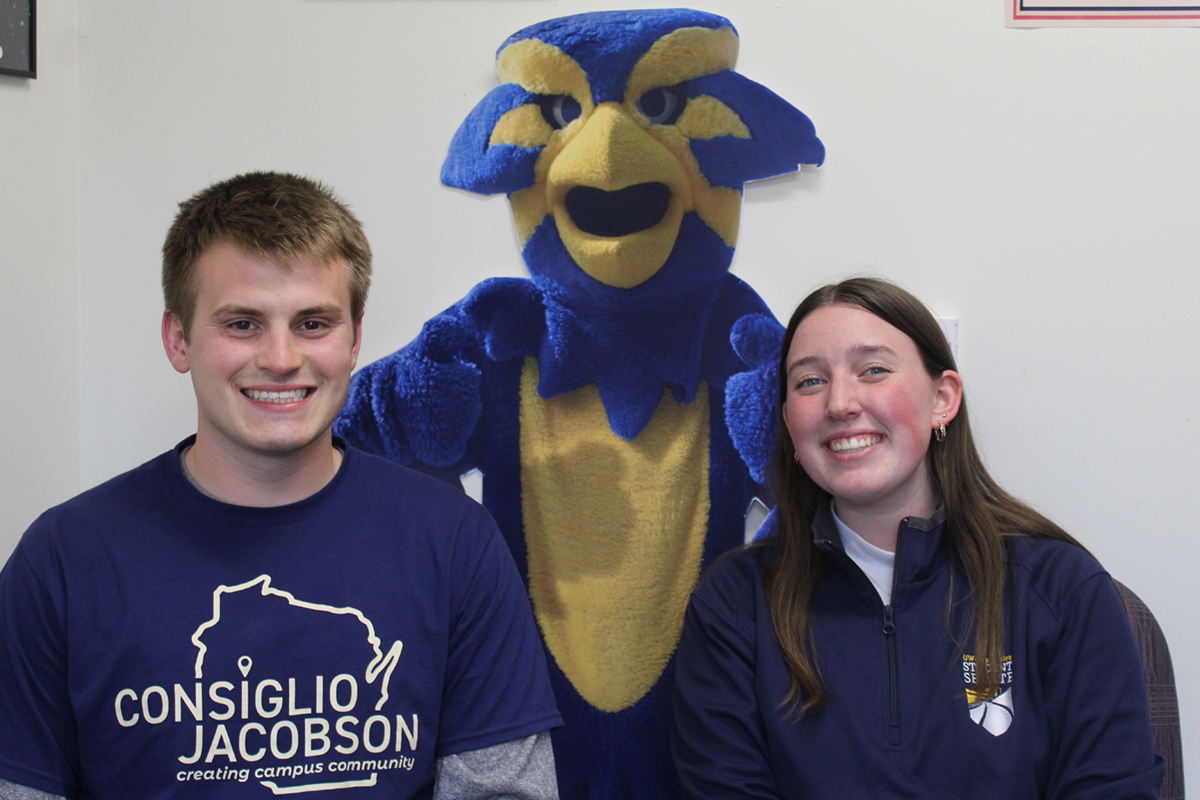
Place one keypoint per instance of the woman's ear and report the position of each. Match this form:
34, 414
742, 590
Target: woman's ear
947, 397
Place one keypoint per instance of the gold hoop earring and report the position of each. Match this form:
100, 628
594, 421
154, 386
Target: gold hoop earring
940, 433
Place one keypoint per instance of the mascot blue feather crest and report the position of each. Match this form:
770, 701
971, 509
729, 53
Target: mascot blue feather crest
611, 401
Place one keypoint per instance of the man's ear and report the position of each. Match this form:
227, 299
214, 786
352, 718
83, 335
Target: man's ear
357, 341
175, 343
948, 397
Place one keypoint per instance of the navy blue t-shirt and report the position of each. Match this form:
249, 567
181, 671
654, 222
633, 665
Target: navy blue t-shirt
155, 642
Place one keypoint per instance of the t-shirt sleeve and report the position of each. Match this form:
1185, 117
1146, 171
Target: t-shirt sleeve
37, 726
1096, 694
497, 686
718, 740
13, 791
522, 769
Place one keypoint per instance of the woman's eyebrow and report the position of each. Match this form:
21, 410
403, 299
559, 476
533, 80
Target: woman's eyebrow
874, 349
802, 362
860, 350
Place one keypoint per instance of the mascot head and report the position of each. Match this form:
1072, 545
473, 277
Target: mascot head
623, 140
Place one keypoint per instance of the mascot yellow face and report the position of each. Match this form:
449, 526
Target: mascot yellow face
623, 140
618, 176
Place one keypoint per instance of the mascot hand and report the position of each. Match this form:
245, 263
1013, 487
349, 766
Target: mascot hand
419, 404
751, 406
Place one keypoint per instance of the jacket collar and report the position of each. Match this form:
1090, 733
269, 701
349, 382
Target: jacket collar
921, 545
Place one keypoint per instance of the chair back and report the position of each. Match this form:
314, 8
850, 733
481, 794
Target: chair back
1160, 686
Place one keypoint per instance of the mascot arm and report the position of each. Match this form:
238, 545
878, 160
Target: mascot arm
751, 408
421, 404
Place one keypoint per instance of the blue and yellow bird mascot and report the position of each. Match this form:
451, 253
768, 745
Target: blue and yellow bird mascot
592, 396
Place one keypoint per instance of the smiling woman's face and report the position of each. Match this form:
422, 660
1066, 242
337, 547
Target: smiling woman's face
860, 410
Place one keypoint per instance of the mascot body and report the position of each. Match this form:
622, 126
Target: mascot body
592, 398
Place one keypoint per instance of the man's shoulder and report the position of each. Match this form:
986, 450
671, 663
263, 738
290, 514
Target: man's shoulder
372, 473
78, 531
141, 486
378, 490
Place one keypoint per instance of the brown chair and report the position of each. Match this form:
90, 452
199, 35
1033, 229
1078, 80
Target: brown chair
1160, 686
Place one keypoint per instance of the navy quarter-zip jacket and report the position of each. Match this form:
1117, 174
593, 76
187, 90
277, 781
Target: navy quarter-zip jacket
901, 721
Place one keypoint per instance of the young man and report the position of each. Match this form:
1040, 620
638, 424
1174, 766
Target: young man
263, 610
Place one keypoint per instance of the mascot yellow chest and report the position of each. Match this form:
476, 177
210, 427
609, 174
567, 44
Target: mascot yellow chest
615, 531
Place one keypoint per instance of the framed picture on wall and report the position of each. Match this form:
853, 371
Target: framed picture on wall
18, 38
1085, 13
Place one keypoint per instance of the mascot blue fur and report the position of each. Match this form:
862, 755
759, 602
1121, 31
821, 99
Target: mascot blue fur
592, 397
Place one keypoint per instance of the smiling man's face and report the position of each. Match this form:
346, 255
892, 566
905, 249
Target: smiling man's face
270, 352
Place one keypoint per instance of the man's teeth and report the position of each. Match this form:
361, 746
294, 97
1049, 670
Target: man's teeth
853, 443
290, 396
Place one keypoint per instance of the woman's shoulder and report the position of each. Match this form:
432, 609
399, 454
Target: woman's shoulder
1055, 570
735, 578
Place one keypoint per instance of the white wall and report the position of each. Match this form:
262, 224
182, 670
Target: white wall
1038, 184
39, 278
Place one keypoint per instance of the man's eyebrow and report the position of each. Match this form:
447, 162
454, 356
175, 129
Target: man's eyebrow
237, 311
328, 308
246, 311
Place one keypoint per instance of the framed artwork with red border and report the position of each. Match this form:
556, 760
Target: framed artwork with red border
1083, 13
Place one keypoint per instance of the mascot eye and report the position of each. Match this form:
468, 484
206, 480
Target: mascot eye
662, 106
560, 110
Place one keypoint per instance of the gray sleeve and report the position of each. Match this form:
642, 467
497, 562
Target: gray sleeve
522, 769
14, 791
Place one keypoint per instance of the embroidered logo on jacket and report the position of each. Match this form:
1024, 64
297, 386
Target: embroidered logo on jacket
992, 711
293, 695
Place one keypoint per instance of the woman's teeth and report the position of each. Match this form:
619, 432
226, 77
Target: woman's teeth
853, 443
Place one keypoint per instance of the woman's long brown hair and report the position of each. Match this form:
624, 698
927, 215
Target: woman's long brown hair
979, 514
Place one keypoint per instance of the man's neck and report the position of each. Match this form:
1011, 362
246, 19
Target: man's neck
265, 481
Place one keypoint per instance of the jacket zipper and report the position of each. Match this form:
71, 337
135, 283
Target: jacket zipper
889, 630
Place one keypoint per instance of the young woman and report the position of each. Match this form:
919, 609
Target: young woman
908, 628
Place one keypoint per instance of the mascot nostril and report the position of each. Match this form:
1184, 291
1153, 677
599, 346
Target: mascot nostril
603, 400
620, 213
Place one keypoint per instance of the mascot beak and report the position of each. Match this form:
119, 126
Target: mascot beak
617, 196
